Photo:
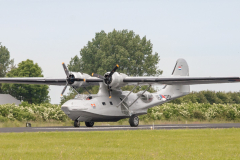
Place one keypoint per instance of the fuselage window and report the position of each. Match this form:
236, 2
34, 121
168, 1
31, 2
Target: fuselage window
111, 103
103, 103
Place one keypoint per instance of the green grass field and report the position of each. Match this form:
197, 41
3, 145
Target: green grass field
121, 122
140, 144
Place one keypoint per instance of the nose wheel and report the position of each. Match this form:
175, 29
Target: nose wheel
134, 121
89, 124
76, 123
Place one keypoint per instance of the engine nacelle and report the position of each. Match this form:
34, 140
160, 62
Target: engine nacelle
116, 80
82, 76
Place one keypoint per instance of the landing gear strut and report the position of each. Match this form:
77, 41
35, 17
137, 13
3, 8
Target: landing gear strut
134, 121
89, 124
76, 123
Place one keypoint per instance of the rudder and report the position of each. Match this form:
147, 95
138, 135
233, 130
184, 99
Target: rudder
181, 68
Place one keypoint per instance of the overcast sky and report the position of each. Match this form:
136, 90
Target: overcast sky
205, 33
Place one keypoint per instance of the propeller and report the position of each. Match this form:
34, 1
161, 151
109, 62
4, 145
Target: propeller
70, 78
107, 78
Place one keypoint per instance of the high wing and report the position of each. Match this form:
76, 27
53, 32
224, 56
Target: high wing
74, 80
35, 80
180, 76
114, 80
180, 80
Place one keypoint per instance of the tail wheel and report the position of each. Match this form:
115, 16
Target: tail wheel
134, 121
76, 123
89, 124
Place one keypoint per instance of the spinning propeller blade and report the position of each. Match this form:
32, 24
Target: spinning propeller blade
64, 89
108, 80
65, 69
109, 92
114, 69
70, 78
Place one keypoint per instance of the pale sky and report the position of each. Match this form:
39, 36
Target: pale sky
49, 32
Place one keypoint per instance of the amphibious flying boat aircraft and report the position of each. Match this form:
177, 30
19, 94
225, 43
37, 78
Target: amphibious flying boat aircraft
113, 104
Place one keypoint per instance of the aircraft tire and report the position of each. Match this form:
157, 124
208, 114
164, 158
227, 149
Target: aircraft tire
134, 121
76, 123
89, 124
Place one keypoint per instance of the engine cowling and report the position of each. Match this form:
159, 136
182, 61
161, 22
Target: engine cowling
79, 75
116, 80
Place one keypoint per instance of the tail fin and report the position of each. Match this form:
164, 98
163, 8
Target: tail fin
181, 68
175, 91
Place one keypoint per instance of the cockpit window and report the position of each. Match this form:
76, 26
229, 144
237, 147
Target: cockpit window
111, 103
103, 103
83, 97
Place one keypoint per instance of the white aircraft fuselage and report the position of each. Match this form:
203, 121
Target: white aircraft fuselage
101, 108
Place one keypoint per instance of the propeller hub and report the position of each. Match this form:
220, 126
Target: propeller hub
107, 79
71, 79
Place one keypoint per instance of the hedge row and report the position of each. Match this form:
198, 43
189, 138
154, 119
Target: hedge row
190, 111
31, 112
168, 111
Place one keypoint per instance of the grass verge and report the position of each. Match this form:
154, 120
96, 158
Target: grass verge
121, 122
141, 144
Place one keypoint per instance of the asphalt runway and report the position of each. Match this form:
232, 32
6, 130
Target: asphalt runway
114, 128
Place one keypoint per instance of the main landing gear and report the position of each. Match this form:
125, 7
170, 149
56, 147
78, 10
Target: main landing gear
134, 121
89, 124
76, 123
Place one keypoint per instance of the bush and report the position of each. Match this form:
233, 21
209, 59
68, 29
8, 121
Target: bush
27, 112
188, 111
3, 119
198, 115
167, 111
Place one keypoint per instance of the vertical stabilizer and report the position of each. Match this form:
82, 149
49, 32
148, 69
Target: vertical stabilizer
181, 68
175, 91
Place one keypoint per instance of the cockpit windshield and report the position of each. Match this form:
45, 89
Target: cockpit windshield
82, 97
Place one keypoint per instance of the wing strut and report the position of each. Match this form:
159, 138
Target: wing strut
139, 96
74, 89
89, 94
129, 113
127, 96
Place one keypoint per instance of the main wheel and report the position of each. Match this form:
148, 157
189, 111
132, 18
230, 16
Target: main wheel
89, 124
76, 123
134, 121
